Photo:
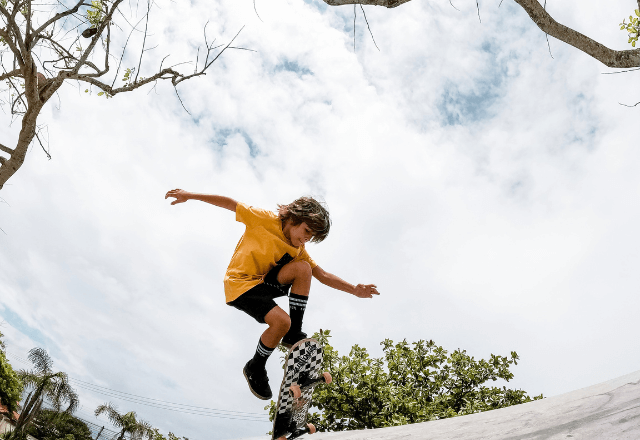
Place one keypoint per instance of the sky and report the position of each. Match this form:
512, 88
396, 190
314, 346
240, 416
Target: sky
484, 181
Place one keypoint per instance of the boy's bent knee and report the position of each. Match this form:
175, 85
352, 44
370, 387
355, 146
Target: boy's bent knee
296, 270
278, 320
302, 268
282, 326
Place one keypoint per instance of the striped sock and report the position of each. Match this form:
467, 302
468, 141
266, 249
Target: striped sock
297, 306
262, 354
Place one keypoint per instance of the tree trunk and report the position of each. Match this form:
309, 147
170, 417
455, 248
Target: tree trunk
27, 133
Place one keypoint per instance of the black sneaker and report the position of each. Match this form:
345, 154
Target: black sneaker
291, 338
258, 382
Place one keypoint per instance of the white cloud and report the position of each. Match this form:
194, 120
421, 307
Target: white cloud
509, 226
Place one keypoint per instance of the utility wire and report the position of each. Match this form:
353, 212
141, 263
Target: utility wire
162, 404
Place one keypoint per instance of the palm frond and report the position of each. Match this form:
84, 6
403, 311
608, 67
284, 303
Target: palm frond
112, 413
41, 360
61, 392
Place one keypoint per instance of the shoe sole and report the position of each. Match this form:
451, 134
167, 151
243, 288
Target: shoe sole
252, 391
289, 345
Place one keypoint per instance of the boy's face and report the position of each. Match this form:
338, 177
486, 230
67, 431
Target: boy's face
299, 234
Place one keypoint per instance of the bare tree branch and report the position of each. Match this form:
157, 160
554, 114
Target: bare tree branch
369, 27
96, 37
254, 8
6, 149
163, 74
385, 3
6, 36
42, 146
611, 58
622, 71
55, 48
14, 72
58, 16
547, 35
13, 29
144, 40
133, 28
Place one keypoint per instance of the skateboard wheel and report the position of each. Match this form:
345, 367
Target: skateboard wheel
311, 428
327, 377
295, 391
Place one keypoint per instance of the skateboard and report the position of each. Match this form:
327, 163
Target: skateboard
301, 376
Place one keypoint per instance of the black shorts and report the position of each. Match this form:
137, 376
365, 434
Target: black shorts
258, 301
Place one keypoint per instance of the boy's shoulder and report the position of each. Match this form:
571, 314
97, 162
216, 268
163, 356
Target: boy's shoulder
250, 214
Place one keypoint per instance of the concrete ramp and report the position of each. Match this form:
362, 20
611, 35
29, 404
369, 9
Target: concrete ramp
607, 411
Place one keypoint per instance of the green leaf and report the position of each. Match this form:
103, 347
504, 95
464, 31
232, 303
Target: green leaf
101, 93
410, 383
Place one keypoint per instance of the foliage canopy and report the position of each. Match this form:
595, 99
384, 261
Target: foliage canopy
54, 425
10, 385
42, 383
411, 383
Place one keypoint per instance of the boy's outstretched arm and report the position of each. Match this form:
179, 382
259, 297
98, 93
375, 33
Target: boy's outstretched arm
329, 279
182, 196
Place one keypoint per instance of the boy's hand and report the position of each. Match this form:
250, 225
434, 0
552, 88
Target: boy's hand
365, 291
180, 195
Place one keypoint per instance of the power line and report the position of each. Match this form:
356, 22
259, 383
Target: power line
157, 403
162, 404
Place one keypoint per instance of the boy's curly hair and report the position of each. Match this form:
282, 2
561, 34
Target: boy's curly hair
309, 211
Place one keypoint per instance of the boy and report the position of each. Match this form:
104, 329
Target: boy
270, 259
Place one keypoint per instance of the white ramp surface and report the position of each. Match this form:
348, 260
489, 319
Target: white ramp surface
607, 411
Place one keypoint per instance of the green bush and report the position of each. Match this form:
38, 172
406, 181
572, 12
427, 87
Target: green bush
53, 425
10, 386
411, 383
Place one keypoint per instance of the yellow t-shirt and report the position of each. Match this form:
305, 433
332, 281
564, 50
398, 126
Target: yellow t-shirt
261, 246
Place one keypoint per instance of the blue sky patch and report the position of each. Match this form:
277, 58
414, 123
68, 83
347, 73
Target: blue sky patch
224, 133
18, 323
458, 107
293, 66
583, 127
319, 5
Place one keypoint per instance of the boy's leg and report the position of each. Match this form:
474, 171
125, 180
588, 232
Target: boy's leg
279, 324
298, 274
254, 371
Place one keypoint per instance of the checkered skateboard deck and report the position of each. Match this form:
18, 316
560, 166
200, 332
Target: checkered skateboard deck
302, 374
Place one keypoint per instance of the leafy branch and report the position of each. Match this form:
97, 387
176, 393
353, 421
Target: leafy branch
632, 28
